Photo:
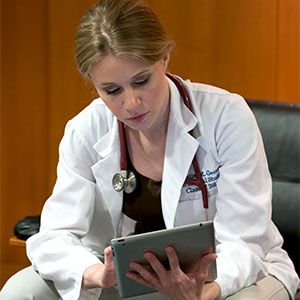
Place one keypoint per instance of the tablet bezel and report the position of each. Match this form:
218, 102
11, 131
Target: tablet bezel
190, 242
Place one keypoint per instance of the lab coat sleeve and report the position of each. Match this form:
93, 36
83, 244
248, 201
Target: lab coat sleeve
56, 251
243, 218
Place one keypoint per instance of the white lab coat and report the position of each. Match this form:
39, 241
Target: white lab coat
84, 211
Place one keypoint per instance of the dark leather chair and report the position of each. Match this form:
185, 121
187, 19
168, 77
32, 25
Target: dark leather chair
280, 127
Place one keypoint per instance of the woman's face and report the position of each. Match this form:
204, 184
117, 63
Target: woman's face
136, 93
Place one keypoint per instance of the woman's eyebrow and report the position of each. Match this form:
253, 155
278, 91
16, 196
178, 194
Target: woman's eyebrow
106, 84
140, 74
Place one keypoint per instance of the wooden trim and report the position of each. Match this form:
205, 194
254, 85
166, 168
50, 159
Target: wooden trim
14, 241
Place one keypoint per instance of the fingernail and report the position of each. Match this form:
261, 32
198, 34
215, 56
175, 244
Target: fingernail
169, 249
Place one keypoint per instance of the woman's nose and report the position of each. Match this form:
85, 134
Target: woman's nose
131, 99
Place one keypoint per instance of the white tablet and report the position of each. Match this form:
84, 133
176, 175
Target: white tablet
189, 241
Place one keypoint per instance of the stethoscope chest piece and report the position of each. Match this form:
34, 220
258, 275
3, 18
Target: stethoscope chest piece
124, 181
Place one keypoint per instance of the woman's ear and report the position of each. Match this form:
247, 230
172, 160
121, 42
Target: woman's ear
166, 60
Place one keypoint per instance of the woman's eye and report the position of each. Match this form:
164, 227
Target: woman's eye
141, 82
112, 91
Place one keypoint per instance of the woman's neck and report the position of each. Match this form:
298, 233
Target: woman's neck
158, 131
147, 150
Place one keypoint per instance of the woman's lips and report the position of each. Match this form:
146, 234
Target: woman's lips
138, 118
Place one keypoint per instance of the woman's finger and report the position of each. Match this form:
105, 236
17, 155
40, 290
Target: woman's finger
204, 263
108, 257
139, 279
156, 265
173, 259
142, 273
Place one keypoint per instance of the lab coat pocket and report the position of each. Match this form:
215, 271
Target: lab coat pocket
190, 207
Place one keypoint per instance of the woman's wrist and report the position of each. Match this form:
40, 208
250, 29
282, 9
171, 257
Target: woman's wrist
100, 275
91, 277
211, 291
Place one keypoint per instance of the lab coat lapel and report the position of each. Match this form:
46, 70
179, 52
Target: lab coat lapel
108, 165
180, 150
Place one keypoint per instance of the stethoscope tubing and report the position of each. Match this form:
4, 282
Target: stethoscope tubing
123, 158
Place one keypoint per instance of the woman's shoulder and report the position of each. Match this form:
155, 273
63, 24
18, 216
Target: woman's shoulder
208, 89
211, 93
214, 99
217, 107
94, 121
96, 109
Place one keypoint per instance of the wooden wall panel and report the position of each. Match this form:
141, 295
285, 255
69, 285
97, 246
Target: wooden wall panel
288, 50
24, 120
194, 34
69, 93
248, 47
245, 47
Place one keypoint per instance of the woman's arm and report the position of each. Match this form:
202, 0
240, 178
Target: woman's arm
57, 251
243, 218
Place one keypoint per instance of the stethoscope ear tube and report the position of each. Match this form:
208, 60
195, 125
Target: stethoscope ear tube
182, 91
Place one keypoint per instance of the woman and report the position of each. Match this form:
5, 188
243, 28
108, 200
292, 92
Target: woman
124, 51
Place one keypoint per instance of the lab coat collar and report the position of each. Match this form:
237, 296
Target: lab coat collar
180, 149
110, 141
185, 119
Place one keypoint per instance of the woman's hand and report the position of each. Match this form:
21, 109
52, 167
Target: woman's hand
100, 275
173, 283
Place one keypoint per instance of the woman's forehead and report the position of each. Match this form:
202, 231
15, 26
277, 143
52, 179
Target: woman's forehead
112, 69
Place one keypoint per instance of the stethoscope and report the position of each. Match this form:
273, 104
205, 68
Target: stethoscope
125, 180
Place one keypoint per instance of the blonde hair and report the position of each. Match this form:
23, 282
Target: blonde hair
122, 28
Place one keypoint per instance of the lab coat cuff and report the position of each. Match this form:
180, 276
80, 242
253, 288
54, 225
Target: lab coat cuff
77, 292
91, 294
